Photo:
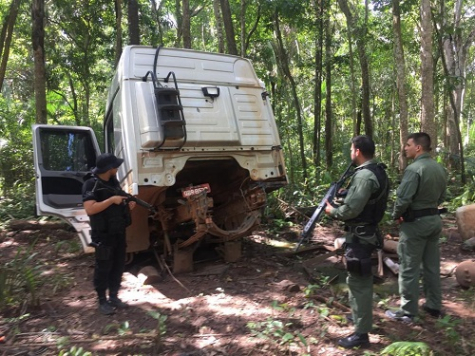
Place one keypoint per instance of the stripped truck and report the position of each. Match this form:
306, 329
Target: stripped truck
200, 144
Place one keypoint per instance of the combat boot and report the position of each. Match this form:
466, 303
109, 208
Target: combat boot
105, 308
354, 340
115, 302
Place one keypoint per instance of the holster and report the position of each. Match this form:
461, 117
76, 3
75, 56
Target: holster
358, 258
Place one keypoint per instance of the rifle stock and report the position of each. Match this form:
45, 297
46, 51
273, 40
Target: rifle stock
317, 214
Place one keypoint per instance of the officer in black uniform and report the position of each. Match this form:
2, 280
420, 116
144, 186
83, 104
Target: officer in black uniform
109, 215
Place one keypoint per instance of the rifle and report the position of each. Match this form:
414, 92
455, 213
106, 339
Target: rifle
329, 196
129, 197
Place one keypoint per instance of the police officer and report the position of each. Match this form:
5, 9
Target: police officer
362, 210
109, 215
421, 191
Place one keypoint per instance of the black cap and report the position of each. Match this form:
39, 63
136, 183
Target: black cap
105, 162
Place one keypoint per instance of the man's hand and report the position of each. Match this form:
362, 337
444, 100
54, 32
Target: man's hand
117, 199
132, 205
328, 208
399, 220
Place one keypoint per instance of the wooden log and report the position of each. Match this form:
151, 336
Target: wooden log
149, 275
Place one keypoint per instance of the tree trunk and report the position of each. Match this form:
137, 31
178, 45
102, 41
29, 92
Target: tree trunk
328, 102
133, 18
401, 84
454, 49
186, 24
38, 39
118, 29
354, 91
156, 11
360, 34
247, 36
6, 38
219, 25
179, 23
228, 27
283, 61
317, 125
427, 69
243, 27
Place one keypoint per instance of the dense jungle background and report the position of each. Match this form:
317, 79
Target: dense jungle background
333, 69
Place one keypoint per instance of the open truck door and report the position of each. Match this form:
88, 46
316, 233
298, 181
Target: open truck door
63, 156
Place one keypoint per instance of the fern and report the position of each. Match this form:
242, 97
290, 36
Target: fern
407, 348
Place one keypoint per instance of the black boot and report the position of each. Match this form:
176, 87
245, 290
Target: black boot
116, 302
354, 340
105, 307
432, 312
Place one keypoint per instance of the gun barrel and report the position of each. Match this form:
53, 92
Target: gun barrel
317, 214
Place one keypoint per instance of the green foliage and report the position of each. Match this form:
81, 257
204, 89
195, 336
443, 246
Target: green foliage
161, 328
20, 204
121, 329
67, 246
74, 351
19, 279
407, 348
276, 331
449, 325
280, 333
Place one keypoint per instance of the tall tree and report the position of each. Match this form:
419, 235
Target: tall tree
319, 8
455, 41
118, 29
400, 82
283, 61
6, 38
179, 23
427, 73
245, 36
219, 25
359, 30
134, 23
328, 99
38, 40
186, 23
229, 27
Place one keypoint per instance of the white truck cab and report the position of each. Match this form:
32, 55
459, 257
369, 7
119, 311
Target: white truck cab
199, 142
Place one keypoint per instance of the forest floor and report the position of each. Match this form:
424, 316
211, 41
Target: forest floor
271, 302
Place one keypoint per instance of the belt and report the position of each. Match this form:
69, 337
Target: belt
361, 229
425, 212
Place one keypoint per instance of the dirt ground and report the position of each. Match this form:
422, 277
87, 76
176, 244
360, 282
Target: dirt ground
269, 303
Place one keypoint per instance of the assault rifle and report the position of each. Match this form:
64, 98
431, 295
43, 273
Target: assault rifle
329, 196
129, 197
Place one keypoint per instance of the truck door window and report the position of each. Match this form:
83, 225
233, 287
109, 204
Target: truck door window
67, 151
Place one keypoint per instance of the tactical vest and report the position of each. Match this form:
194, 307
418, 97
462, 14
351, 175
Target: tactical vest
112, 220
375, 208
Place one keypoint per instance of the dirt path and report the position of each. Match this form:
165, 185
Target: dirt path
265, 304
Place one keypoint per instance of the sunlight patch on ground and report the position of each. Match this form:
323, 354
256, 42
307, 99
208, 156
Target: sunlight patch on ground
272, 242
9, 243
134, 292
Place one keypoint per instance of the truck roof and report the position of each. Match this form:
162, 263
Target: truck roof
189, 66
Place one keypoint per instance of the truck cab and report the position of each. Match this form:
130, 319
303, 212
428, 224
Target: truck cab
199, 142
